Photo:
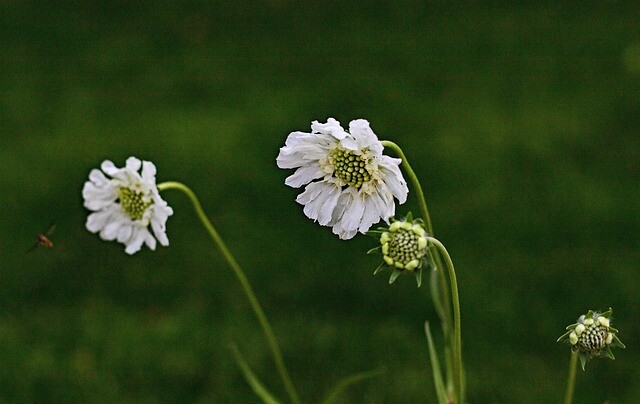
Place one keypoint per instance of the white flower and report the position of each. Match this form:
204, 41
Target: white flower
355, 184
125, 204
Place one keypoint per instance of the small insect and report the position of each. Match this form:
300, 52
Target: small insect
43, 239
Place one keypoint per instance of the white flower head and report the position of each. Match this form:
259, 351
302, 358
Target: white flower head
351, 184
125, 204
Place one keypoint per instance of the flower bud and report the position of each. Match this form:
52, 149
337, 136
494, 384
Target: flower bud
592, 336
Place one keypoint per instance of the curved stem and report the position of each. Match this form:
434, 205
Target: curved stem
571, 382
457, 346
445, 314
246, 286
424, 211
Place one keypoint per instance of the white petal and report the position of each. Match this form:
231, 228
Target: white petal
314, 207
371, 215
124, 234
344, 234
150, 241
353, 214
349, 143
133, 164
96, 198
305, 149
159, 230
392, 177
149, 173
364, 136
310, 193
109, 168
343, 201
304, 175
332, 127
110, 231
136, 240
96, 221
98, 178
330, 202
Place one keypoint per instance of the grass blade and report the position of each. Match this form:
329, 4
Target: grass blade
441, 391
252, 379
348, 381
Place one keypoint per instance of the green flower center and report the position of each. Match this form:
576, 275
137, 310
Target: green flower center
404, 247
593, 338
133, 203
350, 167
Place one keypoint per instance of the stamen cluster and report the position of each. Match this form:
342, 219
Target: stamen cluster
404, 245
350, 167
134, 203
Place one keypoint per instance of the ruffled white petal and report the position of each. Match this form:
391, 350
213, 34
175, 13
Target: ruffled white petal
332, 127
149, 173
304, 175
96, 221
135, 242
133, 164
392, 176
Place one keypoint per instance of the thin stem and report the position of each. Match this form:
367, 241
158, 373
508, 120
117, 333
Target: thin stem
571, 382
457, 346
424, 211
246, 286
445, 314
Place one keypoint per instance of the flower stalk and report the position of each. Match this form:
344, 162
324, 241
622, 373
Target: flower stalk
246, 286
457, 337
440, 291
571, 381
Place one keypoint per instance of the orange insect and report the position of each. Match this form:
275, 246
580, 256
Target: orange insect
43, 239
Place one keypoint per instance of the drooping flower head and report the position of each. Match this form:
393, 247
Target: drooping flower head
404, 247
592, 336
125, 204
351, 184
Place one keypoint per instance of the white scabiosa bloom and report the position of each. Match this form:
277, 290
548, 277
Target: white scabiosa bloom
351, 184
125, 204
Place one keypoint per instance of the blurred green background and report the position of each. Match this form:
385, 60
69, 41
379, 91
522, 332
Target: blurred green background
521, 122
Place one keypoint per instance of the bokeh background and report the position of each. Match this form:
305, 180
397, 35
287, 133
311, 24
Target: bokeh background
521, 122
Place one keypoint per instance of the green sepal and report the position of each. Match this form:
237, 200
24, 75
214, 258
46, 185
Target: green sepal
565, 335
376, 233
441, 391
613, 330
374, 250
571, 327
418, 273
409, 217
255, 384
380, 268
590, 314
607, 353
617, 341
584, 359
607, 313
394, 276
348, 381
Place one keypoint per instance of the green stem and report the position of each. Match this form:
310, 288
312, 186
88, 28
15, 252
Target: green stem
416, 184
571, 382
246, 286
457, 346
444, 314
